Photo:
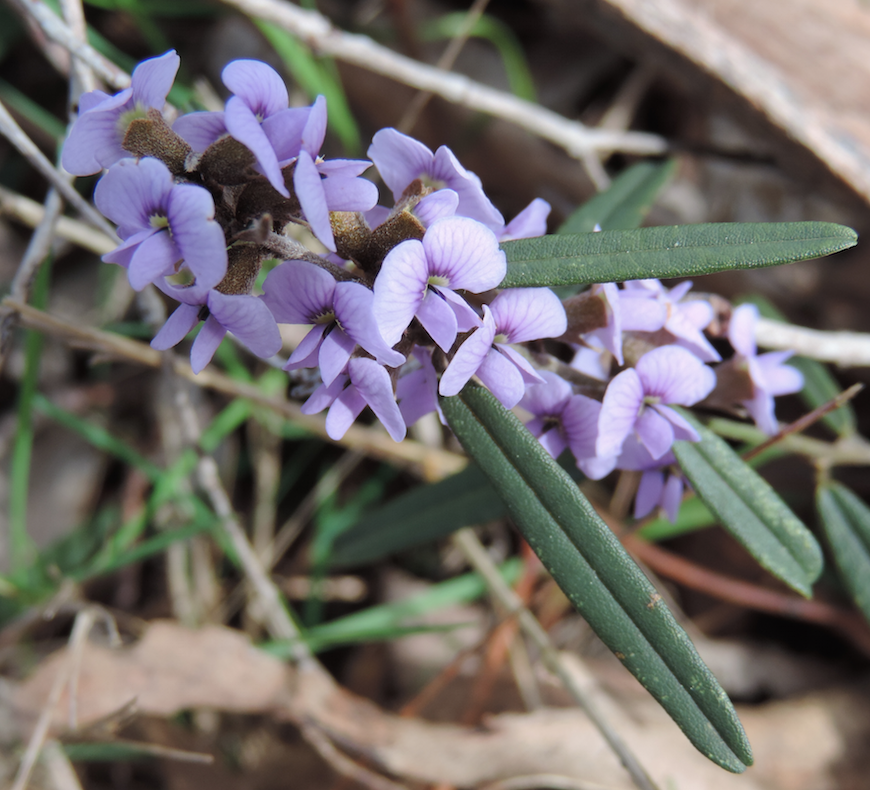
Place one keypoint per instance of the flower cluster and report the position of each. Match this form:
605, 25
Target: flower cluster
403, 306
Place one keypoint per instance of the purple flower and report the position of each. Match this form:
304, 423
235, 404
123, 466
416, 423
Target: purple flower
247, 317
529, 223
401, 159
418, 279
162, 223
417, 391
516, 315
366, 383
684, 319
657, 487
95, 139
259, 118
634, 401
332, 185
259, 96
562, 419
298, 292
768, 374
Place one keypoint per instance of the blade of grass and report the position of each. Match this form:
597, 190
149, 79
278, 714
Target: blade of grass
385, 620
22, 549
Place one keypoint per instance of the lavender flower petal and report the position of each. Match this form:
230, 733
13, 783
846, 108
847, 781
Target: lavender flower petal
309, 189
206, 343
249, 319
154, 257
354, 309
152, 79
243, 125
258, 85
299, 292
649, 492
619, 410
523, 314
465, 253
438, 319
503, 378
176, 328
529, 223
675, 375
200, 129
335, 353
469, 357
399, 289
373, 382
655, 432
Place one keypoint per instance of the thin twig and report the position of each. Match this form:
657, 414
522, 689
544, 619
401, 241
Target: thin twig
343, 765
683, 571
427, 462
81, 78
275, 615
846, 349
445, 63
37, 251
800, 425
58, 768
84, 621
57, 30
472, 549
543, 782
317, 32
28, 149
31, 214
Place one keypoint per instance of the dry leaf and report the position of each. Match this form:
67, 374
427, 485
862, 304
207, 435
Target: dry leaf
802, 63
798, 744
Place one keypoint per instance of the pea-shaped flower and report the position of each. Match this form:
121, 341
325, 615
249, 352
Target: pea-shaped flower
163, 224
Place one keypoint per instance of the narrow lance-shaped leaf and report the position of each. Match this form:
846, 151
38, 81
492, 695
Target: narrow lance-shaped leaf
846, 521
423, 514
674, 251
597, 575
625, 203
750, 509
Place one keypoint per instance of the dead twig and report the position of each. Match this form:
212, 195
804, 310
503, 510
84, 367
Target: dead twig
445, 63
665, 563
472, 549
427, 462
319, 33
343, 765
31, 213
846, 349
82, 626
40, 162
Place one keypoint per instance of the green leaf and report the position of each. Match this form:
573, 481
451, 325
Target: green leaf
597, 575
820, 386
750, 509
421, 515
846, 522
675, 251
625, 203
